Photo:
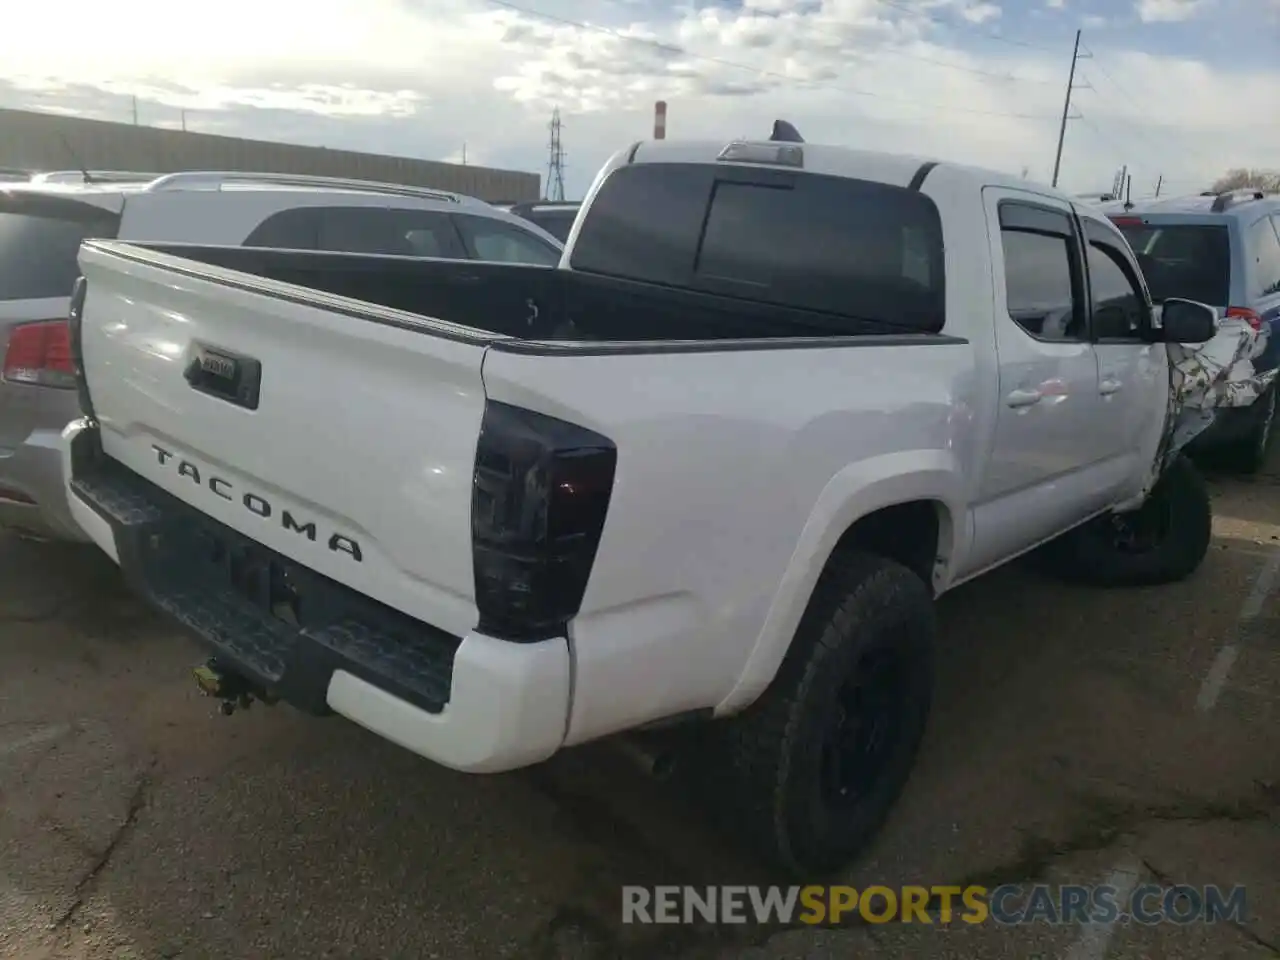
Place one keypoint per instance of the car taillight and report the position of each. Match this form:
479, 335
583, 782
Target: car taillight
1252, 317
539, 497
40, 354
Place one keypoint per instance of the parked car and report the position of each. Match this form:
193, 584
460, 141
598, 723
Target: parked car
43, 222
713, 468
556, 218
1224, 250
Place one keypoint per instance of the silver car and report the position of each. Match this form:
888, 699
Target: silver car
42, 223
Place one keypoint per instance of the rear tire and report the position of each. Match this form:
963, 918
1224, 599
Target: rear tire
1164, 541
811, 770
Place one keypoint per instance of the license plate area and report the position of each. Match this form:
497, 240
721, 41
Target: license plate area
255, 575
258, 577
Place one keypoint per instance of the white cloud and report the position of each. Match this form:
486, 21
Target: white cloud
1169, 11
1055, 4
423, 77
981, 12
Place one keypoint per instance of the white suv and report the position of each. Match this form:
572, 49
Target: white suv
43, 221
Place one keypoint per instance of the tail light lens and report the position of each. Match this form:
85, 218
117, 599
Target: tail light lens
74, 317
1252, 317
40, 354
540, 494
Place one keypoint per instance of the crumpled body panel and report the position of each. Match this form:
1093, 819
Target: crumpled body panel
1205, 378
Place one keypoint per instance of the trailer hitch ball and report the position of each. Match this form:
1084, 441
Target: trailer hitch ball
232, 689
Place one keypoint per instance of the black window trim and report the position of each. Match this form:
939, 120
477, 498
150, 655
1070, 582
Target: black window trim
1028, 216
1096, 235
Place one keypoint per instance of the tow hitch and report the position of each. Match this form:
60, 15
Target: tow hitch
233, 690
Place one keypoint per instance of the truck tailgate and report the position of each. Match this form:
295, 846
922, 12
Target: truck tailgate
338, 434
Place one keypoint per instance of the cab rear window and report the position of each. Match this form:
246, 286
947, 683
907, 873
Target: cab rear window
868, 252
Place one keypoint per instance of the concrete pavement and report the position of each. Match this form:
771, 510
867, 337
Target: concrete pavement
1076, 731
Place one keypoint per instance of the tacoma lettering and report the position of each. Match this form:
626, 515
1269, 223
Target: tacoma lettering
256, 504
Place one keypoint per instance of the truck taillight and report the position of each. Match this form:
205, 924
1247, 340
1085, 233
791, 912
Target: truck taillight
539, 497
40, 354
75, 316
1252, 317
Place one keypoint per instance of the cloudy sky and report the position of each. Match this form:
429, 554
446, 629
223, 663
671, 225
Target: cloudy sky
1179, 88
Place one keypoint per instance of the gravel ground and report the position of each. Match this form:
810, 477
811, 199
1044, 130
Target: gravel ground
1077, 732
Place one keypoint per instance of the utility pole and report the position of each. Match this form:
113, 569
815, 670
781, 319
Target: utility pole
135, 111
184, 121
1066, 107
464, 153
1159, 183
555, 161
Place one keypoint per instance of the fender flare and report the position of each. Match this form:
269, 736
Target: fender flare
856, 491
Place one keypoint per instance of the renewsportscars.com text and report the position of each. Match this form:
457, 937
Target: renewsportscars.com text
1010, 904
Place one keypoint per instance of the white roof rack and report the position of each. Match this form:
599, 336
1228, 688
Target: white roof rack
216, 180
93, 176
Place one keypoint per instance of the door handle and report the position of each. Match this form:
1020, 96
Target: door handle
1023, 398
1109, 386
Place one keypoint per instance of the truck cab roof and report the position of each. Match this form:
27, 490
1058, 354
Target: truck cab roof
837, 161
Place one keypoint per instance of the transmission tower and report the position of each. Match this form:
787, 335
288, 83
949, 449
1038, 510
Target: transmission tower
555, 162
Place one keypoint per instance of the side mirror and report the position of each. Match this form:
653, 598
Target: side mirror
1186, 321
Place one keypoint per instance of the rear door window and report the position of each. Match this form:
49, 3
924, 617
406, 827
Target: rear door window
558, 223
1117, 302
390, 232
856, 249
296, 229
1188, 261
1041, 282
1264, 258
38, 252
500, 242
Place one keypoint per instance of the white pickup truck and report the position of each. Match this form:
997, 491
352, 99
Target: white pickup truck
715, 466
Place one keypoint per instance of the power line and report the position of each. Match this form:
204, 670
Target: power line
1121, 150
1142, 113
681, 51
972, 28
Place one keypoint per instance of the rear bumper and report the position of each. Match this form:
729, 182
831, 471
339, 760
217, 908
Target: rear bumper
474, 703
32, 500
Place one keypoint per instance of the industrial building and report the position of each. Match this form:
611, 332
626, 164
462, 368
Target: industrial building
40, 141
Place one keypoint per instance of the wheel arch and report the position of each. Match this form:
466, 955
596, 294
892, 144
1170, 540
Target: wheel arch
907, 507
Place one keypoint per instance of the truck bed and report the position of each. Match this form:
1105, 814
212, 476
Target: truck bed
531, 302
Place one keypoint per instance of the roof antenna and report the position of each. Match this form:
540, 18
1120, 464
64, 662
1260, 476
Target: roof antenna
84, 171
784, 132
